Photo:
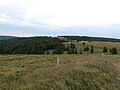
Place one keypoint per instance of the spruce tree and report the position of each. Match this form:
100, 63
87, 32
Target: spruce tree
110, 50
87, 48
81, 51
114, 51
105, 49
40, 49
72, 51
67, 48
54, 51
60, 49
48, 52
76, 51
72, 45
84, 49
37, 49
34, 49
1, 48
29, 50
92, 49
69, 51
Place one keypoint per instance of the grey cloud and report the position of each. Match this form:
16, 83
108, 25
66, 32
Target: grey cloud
108, 31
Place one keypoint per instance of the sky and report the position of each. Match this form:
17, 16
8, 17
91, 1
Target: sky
60, 17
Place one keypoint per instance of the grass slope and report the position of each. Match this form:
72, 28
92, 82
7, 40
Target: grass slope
75, 72
98, 46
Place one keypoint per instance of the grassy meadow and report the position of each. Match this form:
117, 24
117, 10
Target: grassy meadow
98, 46
75, 72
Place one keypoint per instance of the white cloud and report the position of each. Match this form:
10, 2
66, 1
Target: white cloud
4, 18
13, 33
54, 17
67, 12
75, 12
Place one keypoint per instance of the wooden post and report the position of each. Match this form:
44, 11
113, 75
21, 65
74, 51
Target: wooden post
58, 60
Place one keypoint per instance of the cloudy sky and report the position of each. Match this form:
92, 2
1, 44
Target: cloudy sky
60, 17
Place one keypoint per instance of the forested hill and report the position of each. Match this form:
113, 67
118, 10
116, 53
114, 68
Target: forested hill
6, 37
86, 38
28, 45
38, 45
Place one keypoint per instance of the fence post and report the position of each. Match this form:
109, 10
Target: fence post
58, 60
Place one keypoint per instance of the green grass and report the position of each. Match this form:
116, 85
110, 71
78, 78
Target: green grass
75, 72
98, 46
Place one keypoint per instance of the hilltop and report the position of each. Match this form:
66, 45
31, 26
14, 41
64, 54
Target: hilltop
6, 37
88, 38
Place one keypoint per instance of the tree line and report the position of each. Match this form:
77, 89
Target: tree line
30, 45
71, 49
111, 50
42, 45
86, 38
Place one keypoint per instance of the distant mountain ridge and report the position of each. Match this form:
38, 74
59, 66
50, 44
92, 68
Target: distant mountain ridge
6, 37
88, 38
65, 38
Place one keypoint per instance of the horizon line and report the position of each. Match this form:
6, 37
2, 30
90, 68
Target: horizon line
61, 35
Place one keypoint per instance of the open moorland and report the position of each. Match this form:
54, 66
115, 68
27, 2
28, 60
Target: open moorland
75, 71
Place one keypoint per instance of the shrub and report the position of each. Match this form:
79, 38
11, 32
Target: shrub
114, 51
105, 49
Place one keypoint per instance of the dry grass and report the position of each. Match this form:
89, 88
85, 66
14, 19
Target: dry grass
75, 72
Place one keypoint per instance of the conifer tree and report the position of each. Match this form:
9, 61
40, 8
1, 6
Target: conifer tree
48, 52
105, 49
29, 50
87, 48
67, 48
81, 51
92, 49
34, 49
64, 48
84, 49
71, 51
76, 51
72, 46
60, 49
114, 51
110, 50
1, 48
40, 49
54, 51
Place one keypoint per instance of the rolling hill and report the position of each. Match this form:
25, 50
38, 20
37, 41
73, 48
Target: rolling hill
6, 37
